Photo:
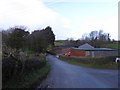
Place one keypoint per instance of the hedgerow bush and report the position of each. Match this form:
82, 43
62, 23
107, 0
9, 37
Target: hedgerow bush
31, 65
91, 60
8, 67
14, 69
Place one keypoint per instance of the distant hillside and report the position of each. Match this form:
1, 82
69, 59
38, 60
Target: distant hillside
114, 45
59, 42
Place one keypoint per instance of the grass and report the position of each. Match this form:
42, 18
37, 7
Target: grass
59, 42
86, 62
32, 80
114, 46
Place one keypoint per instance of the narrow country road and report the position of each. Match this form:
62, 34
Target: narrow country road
64, 75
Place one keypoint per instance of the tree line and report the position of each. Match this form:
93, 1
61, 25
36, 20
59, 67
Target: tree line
95, 38
20, 67
19, 38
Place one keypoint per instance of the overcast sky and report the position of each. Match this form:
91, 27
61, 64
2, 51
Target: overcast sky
68, 18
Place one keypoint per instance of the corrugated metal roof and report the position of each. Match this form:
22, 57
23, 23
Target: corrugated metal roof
88, 47
85, 46
96, 49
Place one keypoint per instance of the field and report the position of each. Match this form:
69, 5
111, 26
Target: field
114, 46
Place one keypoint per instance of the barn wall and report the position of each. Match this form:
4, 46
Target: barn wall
106, 53
75, 52
65, 50
90, 54
61, 50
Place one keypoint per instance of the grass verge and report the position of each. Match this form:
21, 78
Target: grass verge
91, 62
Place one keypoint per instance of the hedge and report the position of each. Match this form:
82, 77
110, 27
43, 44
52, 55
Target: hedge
93, 60
13, 69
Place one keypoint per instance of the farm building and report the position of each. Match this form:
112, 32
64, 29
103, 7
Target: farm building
87, 50
62, 49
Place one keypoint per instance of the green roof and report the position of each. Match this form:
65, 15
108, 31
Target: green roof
96, 49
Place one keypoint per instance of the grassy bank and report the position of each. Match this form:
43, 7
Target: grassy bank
24, 74
99, 62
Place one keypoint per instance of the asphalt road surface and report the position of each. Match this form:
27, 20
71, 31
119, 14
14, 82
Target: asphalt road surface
64, 75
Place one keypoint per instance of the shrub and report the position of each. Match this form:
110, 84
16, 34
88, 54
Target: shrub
8, 67
31, 65
13, 69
